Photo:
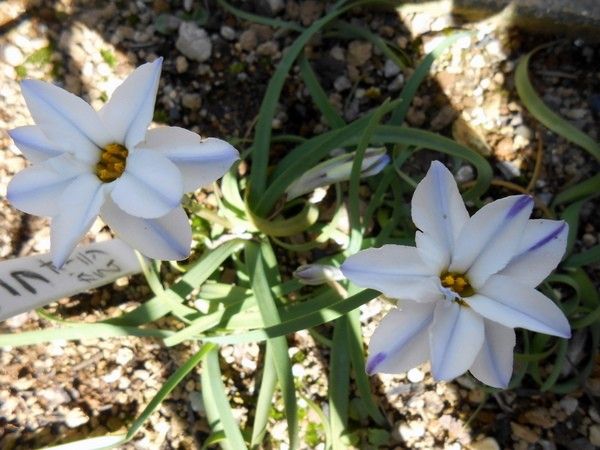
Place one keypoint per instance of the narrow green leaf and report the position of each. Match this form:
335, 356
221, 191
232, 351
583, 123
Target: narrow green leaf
275, 23
214, 391
268, 384
545, 115
207, 321
281, 227
310, 320
309, 153
95, 443
169, 385
339, 383
262, 137
160, 306
589, 256
587, 188
78, 332
353, 210
268, 309
319, 96
355, 31
356, 351
410, 89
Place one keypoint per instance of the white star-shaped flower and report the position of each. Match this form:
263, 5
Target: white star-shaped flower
107, 163
464, 287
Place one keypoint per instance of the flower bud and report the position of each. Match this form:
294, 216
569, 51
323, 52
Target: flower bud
315, 274
338, 169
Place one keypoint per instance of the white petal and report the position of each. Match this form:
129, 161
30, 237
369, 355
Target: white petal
150, 187
455, 337
513, 304
166, 238
395, 270
33, 143
489, 239
541, 248
201, 161
79, 205
494, 363
400, 342
129, 111
438, 209
65, 119
434, 255
37, 189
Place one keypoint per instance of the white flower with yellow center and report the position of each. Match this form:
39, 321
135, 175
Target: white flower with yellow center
107, 163
464, 287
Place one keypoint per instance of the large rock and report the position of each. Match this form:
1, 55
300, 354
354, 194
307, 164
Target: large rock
193, 42
578, 18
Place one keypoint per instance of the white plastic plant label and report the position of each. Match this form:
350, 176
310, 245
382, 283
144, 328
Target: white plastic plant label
31, 282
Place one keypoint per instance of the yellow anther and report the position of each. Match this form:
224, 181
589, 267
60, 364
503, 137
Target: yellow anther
448, 281
112, 162
458, 283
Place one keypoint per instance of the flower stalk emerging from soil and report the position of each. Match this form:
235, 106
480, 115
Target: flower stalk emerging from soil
464, 287
88, 163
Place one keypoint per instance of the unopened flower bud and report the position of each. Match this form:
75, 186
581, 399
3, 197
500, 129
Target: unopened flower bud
338, 169
315, 274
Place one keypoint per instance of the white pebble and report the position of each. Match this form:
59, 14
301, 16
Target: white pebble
415, 375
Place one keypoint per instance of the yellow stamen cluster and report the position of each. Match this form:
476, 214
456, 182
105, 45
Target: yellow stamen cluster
458, 283
112, 162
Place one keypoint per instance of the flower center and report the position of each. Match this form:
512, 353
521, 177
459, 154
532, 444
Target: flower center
112, 162
457, 283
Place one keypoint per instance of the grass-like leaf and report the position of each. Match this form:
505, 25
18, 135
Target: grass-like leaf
319, 96
213, 392
339, 383
268, 383
169, 385
79, 332
262, 267
545, 115
311, 319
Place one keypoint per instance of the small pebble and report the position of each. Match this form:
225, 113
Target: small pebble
464, 174
415, 375
487, 443
12, 55
248, 40
269, 48
124, 355
359, 52
191, 101
589, 240
194, 42
342, 83
390, 69
478, 62
227, 33
197, 403
181, 64
524, 132
509, 169
595, 435
569, 405
76, 417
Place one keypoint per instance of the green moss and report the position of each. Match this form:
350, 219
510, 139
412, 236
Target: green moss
109, 57
237, 67
41, 56
21, 71
312, 435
